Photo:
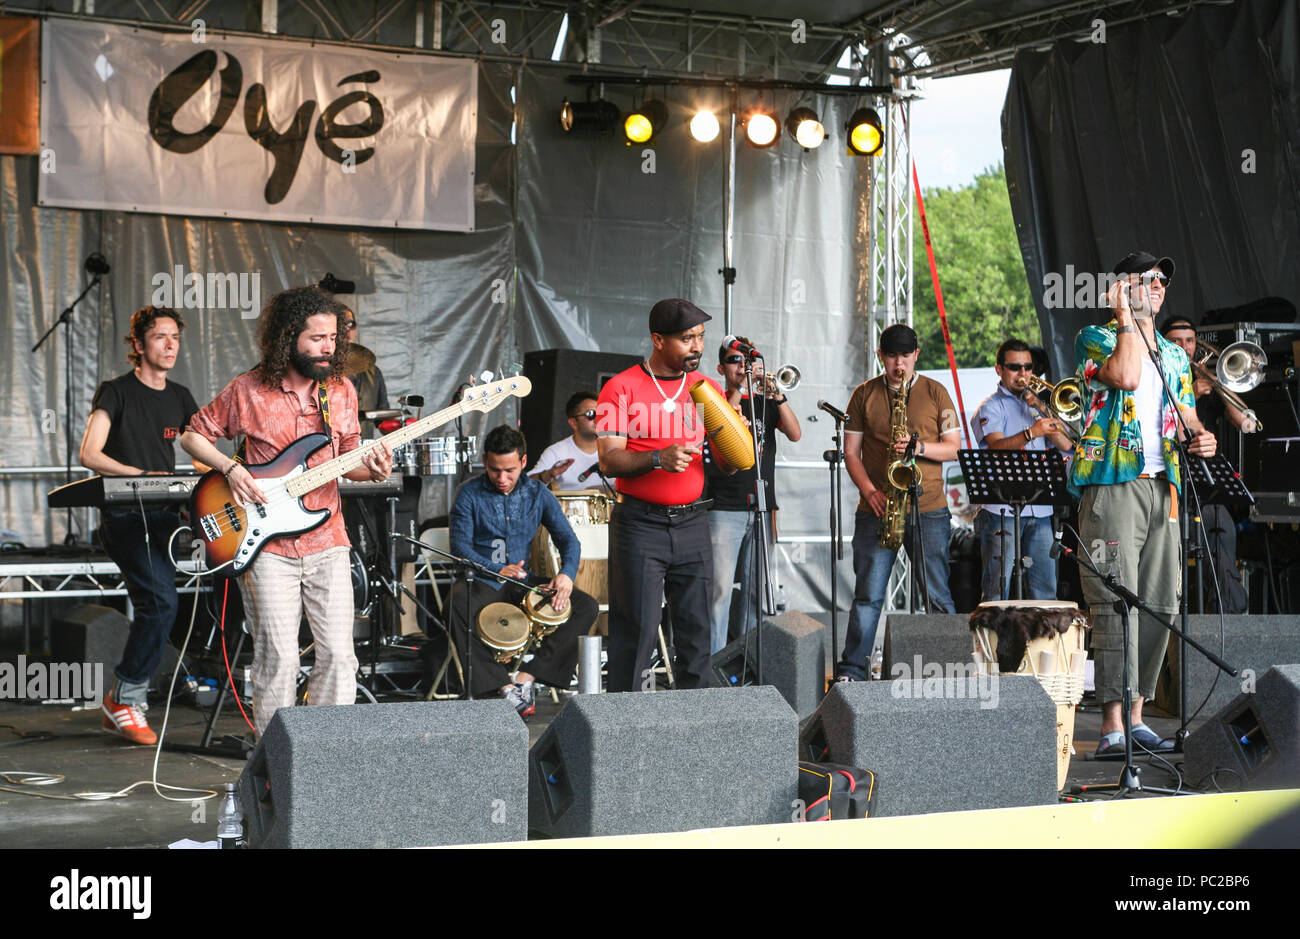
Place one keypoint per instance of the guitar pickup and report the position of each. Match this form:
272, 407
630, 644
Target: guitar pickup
233, 516
211, 532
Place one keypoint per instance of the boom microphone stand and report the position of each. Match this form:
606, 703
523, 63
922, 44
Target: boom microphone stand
834, 457
762, 599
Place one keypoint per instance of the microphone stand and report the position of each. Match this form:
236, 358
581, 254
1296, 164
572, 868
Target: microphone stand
761, 588
834, 457
920, 585
65, 319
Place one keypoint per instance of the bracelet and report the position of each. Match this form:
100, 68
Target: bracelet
1028, 435
920, 448
234, 465
1125, 329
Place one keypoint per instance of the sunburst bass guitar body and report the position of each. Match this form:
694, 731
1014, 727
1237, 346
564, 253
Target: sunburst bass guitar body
234, 533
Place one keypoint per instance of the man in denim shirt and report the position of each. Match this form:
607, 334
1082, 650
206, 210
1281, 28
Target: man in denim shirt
493, 521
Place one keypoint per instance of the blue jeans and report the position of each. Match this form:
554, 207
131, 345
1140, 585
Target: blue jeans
1035, 543
151, 585
732, 538
871, 567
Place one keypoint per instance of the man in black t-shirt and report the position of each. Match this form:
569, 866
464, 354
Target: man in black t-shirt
134, 423
731, 517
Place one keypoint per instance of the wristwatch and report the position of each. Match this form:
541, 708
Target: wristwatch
654, 460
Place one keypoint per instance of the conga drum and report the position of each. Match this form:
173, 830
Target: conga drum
1042, 639
588, 513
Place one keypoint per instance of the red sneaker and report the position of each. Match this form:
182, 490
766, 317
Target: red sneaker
126, 721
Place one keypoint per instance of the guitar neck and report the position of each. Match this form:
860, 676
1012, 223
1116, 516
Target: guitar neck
331, 470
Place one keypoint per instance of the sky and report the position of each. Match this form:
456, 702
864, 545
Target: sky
957, 127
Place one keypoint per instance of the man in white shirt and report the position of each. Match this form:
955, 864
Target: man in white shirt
566, 459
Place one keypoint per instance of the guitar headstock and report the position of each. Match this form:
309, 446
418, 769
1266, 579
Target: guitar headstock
487, 396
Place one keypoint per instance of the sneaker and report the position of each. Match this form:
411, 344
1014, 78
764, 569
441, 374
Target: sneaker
528, 691
514, 695
127, 721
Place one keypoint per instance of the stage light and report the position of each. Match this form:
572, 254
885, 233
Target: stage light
642, 124
704, 126
588, 117
761, 129
865, 137
802, 124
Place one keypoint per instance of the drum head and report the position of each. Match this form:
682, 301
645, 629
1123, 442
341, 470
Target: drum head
543, 614
503, 626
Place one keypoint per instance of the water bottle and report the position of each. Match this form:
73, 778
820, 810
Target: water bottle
781, 605
230, 821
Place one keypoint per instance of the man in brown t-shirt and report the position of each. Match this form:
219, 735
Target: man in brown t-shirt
869, 447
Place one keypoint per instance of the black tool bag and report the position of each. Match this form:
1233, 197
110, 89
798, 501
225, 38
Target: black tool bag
831, 791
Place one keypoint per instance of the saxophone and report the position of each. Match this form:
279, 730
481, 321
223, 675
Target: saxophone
900, 474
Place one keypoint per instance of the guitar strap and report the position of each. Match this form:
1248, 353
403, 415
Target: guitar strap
322, 395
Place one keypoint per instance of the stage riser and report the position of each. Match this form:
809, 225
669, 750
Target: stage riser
615, 764
389, 776
794, 660
943, 745
1269, 719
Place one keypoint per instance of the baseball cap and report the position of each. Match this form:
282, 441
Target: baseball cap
1139, 262
898, 338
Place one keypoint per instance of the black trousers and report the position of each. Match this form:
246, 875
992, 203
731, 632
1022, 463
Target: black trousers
653, 558
553, 661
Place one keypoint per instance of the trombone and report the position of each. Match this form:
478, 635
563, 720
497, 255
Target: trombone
1064, 401
1238, 368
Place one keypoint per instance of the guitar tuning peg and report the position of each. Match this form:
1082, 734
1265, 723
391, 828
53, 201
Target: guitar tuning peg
514, 370
486, 376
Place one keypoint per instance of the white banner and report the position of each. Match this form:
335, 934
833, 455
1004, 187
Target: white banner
199, 124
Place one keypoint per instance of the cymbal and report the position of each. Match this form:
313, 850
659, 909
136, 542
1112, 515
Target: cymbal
360, 359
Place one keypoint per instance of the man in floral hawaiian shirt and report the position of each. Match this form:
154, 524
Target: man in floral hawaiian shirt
1126, 471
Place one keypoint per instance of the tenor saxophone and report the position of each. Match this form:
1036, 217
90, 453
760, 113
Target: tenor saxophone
900, 474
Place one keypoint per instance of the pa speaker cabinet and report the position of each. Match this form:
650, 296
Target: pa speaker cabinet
97, 635
942, 744
1252, 644
388, 776
940, 638
794, 660
1254, 741
556, 374
616, 764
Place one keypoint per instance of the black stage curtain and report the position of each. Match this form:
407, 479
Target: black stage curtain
1177, 135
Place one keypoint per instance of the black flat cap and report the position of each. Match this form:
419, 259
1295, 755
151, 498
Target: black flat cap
675, 315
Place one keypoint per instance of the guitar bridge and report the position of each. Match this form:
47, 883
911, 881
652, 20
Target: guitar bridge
233, 516
210, 530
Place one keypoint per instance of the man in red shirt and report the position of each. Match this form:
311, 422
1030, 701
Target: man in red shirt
272, 406
649, 438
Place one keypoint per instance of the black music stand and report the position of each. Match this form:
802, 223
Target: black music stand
1017, 478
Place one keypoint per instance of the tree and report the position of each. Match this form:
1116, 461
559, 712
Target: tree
985, 291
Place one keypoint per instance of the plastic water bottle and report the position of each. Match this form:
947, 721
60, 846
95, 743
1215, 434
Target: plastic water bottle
781, 604
230, 821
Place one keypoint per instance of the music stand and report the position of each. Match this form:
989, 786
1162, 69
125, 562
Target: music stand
1017, 478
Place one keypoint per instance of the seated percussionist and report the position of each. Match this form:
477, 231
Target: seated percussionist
493, 520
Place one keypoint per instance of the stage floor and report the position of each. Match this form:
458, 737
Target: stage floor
93, 761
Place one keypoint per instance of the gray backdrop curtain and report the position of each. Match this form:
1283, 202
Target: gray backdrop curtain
1139, 142
573, 244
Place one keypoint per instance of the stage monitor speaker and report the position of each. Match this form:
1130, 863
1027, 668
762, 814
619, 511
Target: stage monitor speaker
941, 744
616, 764
556, 374
911, 638
1251, 644
388, 776
1254, 741
96, 635
794, 660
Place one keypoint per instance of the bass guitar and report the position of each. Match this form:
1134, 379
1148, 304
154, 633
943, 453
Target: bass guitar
233, 533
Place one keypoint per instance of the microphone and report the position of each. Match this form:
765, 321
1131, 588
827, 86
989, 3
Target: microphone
332, 284
910, 452
593, 468
96, 265
733, 344
833, 411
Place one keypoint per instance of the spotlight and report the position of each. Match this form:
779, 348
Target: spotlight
761, 129
704, 126
641, 125
595, 118
803, 126
865, 137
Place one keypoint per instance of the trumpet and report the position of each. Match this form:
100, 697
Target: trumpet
1239, 367
786, 379
1064, 401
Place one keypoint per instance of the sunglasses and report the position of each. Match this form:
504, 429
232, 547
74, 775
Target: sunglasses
1021, 367
349, 324
733, 360
589, 415
1151, 278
